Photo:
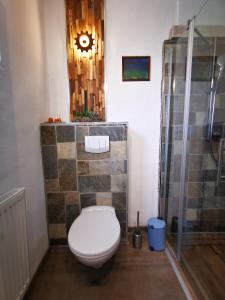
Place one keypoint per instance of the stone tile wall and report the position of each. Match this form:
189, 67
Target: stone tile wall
75, 179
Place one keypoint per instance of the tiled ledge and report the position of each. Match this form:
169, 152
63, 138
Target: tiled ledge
86, 124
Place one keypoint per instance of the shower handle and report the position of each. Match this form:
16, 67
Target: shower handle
211, 111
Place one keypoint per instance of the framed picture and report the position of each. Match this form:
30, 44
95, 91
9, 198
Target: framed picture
136, 68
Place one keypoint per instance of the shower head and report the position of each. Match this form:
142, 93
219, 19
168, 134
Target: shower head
216, 79
221, 66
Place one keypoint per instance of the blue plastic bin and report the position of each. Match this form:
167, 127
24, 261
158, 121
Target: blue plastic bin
156, 234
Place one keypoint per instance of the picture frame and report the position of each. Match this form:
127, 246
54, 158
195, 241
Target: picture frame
136, 68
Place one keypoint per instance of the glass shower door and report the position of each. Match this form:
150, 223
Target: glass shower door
193, 149
202, 243
173, 91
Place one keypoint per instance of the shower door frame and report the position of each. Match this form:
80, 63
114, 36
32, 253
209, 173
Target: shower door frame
191, 28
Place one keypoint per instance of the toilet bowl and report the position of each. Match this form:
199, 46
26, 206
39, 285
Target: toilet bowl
95, 235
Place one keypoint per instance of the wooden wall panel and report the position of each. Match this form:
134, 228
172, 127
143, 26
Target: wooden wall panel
86, 72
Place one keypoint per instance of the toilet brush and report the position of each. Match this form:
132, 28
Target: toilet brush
137, 236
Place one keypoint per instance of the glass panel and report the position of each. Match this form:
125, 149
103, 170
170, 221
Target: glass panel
174, 68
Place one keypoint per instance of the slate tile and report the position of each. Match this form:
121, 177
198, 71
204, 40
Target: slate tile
115, 133
104, 199
82, 155
195, 190
198, 132
48, 135
67, 174
114, 167
83, 167
72, 197
177, 103
56, 208
193, 226
121, 216
176, 164
65, 134
49, 157
118, 183
66, 150
195, 162
87, 200
51, 185
210, 175
199, 87
118, 150
195, 202
220, 189
119, 201
198, 146
209, 189
198, 103
196, 176
123, 227
176, 118
88, 184
72, 212
213, 202
57, 231
201, 118
213, 214
177, 133
81, 132
125, 166
191, 214
208, 162
125, 133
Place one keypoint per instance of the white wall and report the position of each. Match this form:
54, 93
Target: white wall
138, 28
54, 30
23, 105
213, 12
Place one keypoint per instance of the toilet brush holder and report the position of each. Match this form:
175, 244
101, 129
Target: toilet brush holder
137, 236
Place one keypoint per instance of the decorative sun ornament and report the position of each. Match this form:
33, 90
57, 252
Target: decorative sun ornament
84, 41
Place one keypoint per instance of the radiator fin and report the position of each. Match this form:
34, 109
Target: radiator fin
14, 262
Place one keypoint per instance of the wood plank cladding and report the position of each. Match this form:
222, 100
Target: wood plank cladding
86, 69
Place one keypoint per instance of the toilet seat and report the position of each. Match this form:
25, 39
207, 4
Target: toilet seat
95, 234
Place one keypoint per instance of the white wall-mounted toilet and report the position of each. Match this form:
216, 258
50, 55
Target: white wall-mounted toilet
95, 235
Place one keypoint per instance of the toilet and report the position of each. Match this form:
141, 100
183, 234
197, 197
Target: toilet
95, 235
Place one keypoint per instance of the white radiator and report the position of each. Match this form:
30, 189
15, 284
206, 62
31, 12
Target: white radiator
14, 263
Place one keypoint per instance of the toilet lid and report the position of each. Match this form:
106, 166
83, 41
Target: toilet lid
94, 233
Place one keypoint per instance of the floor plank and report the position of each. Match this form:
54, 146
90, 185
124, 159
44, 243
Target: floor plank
220, 251
208, 270
131, 275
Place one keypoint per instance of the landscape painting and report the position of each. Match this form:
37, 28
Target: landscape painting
136, 68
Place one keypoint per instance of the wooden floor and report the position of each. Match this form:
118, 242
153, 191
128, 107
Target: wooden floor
131, 275
206, 265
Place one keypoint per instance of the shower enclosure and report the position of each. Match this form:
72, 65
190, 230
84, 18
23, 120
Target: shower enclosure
192, 189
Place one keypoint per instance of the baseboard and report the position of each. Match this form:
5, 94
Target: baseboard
132, 228
27, 293
58, 242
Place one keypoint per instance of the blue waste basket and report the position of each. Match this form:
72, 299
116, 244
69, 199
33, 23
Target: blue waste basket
156, 234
